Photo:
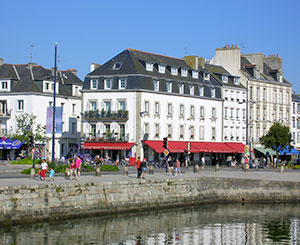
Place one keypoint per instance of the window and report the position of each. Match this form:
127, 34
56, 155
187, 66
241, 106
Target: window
251, 92
169, 87
122, 83
149, 66
117, 66
107, 84
107, 106
73, 108
184, 72
107, 128
181, 88
156, 108
4, 85
264, 94
294, 108
280, 97
74, 127
213, 133
169, 110
226, 112
264, 113
169, 128
47, 86
287, 97
201, 132
201, 90
156, 85
275, 96
146, 127
257, 113
156, 129
174, 71
161, 68
122, 131
181, 110
192, 132
294, 138
195, 74
206, 76
146, 107
93, 130
257, 94
93, 106
181, 131
225, 79
202, 112
244, 114
122, 105
231, 113
191, 87
50, 103
213, 92
274, 114
94, 84
20, 105
192, 111
237, 113
294, 122
213, 113
236, 80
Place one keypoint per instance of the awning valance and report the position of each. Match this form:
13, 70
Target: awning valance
237, 147
108, 145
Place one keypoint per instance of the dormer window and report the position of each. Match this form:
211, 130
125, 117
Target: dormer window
174, 71
156, 85
184, 72
169, 87
117, 66
206, 76
107, 84
201, 90
236, 80
94, 84
191, 87
161, 68
195, 74
122, 83
76, 89
181, 88
225, 79
149, 66
48, 87
213, 92
4, 85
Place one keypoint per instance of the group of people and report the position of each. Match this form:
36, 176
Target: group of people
42, 171
75, 166
141, 167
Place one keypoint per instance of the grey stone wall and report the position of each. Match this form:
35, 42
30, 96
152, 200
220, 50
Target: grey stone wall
58, 201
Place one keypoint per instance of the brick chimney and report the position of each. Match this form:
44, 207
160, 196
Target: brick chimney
94, 66
1, 61
74, 71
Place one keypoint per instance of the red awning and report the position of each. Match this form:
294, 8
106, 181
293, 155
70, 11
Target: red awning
174, 146
218, 147
198, 147
237, 147
107, 145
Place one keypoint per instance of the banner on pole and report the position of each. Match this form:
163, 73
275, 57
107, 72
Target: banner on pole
58, 120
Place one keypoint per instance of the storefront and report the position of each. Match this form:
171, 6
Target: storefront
9, 148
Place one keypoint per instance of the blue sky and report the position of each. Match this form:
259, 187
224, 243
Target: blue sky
97, 30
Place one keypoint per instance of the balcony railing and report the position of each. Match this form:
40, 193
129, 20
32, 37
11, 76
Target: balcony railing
106, 115
6, 114
108, 137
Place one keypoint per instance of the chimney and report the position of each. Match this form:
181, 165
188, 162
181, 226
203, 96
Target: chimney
1, 61
94, 66
74, 71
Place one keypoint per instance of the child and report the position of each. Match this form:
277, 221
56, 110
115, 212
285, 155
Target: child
40, 174
51, 174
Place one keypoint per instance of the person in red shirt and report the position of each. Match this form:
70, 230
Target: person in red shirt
138, 167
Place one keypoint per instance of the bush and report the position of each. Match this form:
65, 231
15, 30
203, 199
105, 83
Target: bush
27, 171
26, 161
109, 168
296, 167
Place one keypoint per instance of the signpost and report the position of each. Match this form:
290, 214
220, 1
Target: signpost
166, 152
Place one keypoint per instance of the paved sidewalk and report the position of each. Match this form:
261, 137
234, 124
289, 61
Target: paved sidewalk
272, 175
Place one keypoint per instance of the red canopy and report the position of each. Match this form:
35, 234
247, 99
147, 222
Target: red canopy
237, 147
173, 146
107, 145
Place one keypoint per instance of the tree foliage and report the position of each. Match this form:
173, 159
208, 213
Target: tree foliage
278, 137
26, 127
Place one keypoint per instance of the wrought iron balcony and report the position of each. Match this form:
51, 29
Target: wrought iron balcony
108, 137
106, 115
6, 114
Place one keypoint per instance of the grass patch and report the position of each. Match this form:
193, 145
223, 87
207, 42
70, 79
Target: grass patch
26, 161
109, 168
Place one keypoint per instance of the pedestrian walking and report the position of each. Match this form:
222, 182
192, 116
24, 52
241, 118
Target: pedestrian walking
144, 168
138, 167
170, 166
78, 167
51, 174
44, 167
203, 161
72, 171
178, 171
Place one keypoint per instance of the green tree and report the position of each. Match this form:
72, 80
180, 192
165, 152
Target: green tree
278, 137
26, 128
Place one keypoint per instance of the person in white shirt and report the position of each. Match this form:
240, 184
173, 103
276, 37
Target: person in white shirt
44, 167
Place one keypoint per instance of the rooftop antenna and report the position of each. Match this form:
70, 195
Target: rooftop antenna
30, 55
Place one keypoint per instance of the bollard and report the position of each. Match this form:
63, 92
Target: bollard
217, 168
281, 169
98, 171
67, 172
125, 172
197, 168
151, 170
32, 173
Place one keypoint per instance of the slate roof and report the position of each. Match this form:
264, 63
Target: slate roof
29, 78
133, 67
264, 75
296, 97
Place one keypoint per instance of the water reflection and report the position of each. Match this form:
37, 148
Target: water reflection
214, 224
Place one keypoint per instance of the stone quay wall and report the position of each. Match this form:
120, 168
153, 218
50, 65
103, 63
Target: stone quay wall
30, 203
